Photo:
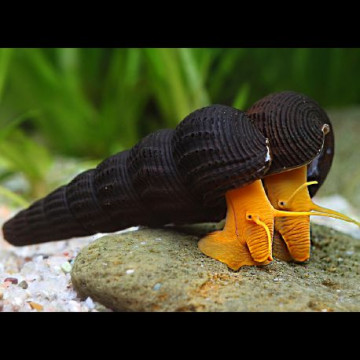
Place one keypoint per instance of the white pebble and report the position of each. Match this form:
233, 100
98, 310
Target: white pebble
157, 286
66, 267
74, 306
89, 303
56, 268
130, 271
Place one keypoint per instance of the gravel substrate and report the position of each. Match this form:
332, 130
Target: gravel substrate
37, 277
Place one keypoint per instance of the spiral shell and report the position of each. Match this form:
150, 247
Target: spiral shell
294, 124
181, 175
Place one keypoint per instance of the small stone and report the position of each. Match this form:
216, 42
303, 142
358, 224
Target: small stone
66, 267
36, 306
130, 271
23, 284
157, 286
89, 303
332, 269
11, 280
56, 268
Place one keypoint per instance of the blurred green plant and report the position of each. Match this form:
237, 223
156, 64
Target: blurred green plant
19, 153
90, 103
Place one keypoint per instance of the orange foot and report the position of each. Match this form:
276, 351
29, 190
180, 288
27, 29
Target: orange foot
248, 232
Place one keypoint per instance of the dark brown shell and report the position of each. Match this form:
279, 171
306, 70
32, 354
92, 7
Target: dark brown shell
170, 176
160, 185
174, 176
294, 124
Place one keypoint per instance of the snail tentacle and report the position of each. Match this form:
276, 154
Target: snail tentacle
284, 204
258, 221
320, 210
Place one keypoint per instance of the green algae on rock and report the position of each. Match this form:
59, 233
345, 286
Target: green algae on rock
163, 270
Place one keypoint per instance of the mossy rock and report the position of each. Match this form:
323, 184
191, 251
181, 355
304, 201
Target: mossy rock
163, 270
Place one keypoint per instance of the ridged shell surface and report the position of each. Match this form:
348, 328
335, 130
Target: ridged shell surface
160, 184
217, 149
181, 175
294, 125
171, 176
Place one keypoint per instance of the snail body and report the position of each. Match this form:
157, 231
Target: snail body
215, 163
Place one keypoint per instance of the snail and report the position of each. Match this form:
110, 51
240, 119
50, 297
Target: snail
288, 190
252, 168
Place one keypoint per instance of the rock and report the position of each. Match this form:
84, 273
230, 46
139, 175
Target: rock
36, 306
11, 280
163, 270
23, 284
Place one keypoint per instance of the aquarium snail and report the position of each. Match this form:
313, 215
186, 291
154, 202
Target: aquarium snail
252, 167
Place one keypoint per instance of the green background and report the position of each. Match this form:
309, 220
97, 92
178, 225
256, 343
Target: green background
90, 103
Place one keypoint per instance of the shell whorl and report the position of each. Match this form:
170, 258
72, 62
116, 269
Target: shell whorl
217, 149
294, 125
159, 183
